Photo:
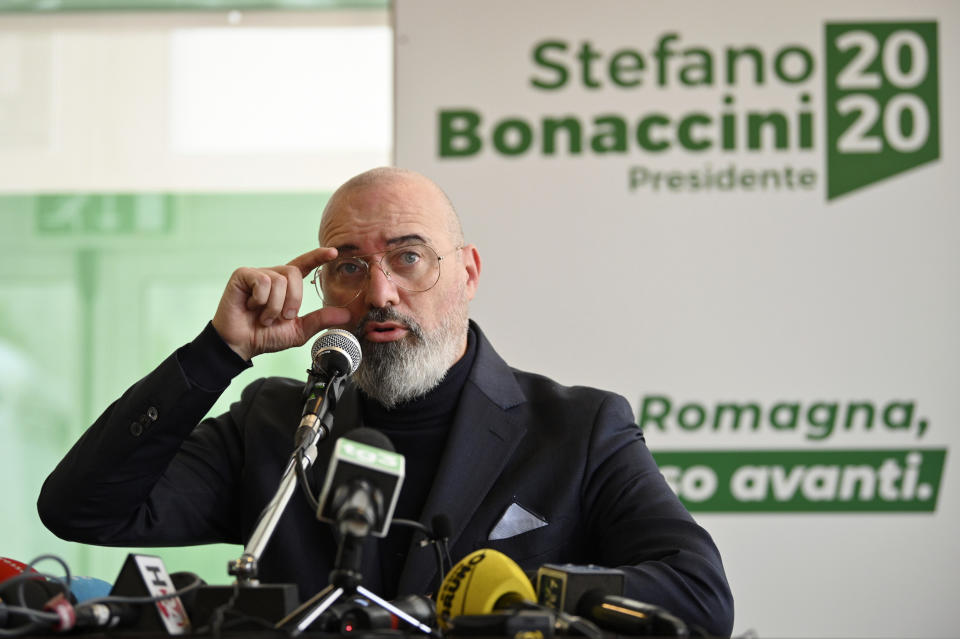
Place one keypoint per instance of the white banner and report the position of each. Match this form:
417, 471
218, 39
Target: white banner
742, 217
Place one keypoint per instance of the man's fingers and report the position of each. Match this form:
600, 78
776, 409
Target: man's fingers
322, 318
278, 292
256, 284
312, 259
259, 309
293, 297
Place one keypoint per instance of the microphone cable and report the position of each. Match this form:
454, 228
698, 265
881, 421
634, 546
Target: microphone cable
302, 478
36, 619
442, 530
43, 619
432, 539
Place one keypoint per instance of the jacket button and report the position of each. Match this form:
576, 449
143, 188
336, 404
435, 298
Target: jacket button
152, 414
136, 429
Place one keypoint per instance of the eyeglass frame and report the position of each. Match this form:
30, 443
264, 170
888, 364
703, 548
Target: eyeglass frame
379, 263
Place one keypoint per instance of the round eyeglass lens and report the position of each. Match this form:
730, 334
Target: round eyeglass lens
415, 268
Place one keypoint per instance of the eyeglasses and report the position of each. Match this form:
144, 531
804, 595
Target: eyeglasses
414, 267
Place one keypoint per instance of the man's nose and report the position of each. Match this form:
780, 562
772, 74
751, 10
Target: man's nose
381, 291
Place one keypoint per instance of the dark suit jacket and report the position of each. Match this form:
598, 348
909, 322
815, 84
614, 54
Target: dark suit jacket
571, 455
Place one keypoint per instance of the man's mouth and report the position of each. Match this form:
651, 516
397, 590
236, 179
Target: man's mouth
384, 331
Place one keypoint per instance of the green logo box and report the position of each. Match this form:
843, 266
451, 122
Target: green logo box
882, 98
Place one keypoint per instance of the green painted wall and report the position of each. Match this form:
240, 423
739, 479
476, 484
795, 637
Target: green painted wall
96, 290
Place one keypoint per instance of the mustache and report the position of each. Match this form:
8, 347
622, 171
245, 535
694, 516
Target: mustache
388, 315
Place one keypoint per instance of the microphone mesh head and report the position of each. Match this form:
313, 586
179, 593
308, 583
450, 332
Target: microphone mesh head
339, 340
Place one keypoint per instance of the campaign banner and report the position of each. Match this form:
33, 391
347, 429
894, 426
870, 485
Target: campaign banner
741, 217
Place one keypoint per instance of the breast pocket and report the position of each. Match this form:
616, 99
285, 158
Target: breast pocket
533, 547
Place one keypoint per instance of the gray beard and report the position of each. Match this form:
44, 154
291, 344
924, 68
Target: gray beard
393, 373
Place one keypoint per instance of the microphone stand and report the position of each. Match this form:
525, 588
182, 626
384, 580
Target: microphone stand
311, 431
345, 580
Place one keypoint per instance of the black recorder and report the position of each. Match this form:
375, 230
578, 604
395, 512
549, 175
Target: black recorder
595, 593
561, 586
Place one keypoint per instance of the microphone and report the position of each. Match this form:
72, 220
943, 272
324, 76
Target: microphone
334, 356
362, 484
97, 608
106, 615
442, 528
483, 582
335, 351
442, 532
629, 617
487, 594
586, 591
12, 568
24, 593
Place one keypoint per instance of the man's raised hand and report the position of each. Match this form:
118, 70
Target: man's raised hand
259, 310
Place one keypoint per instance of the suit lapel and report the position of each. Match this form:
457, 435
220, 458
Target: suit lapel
482, 438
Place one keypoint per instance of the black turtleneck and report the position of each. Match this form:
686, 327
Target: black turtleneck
418, 430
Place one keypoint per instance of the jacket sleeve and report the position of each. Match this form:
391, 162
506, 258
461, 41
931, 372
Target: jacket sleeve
143, 474
637, 523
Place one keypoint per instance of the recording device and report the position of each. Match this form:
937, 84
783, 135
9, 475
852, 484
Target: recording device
334, 356
483, 582
560, 586
595, 593
362, 484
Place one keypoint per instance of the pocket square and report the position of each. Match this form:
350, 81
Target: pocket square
515, 520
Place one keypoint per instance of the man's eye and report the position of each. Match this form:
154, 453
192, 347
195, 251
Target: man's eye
406, 259
348, 269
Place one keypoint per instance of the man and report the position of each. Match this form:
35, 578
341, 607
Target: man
518, 463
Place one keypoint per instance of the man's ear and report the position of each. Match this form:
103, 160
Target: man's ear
472, 266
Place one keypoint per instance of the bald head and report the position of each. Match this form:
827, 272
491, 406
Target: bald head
393, 183
410, 335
